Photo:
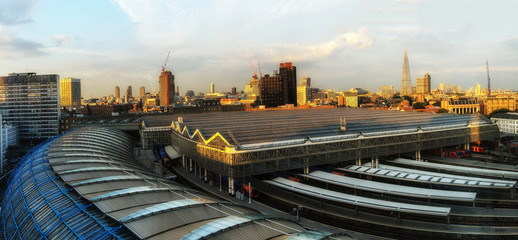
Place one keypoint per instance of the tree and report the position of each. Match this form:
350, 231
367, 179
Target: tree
396, 96
409, 99
419, 105
443, 110
501, 110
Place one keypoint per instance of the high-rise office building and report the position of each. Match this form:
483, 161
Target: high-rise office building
406, 84
177, 90
305, 81
167, 88
142, 91
129, 92
288, 74
279, 89
234, 91
441, 87
270, 92
303, 95
212, 88
32, 103
70, 91
117, 92
423, 84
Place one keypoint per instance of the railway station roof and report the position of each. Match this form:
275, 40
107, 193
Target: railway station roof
87, 185
257, 129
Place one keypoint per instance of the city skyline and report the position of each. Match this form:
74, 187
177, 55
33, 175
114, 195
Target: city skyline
339, 44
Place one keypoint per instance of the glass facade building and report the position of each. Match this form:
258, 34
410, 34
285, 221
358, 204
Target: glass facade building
32, 103
70, 90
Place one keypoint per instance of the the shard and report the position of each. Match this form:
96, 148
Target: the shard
406, 84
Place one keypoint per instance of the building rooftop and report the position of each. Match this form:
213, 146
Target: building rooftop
87, 185
507, 115
251, 129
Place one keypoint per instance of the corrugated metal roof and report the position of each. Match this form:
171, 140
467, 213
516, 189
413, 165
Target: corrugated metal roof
221, 225
39, 203
283, 125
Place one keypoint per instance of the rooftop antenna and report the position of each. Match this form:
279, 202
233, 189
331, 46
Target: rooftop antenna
488, 79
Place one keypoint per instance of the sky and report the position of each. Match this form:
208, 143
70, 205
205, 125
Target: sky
340, 44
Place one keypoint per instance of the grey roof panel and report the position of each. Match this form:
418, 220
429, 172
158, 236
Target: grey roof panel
220, 225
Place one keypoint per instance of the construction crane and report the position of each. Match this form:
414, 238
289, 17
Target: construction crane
488, 79
260, 73
163, 66
255, 73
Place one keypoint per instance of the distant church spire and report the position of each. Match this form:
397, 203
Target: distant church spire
406, 84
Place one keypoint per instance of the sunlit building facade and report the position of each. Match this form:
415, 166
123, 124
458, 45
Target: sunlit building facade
117, 92
493, 103
423, 84
142, 91
387, 91
31, 102
303, 95
70, 91
167, 88
462, 106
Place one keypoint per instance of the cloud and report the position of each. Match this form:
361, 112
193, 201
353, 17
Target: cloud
296, 52
16, 11
11, 47
60, 40
302, 6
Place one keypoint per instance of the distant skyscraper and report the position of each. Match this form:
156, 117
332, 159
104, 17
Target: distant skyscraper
177, 90
167, 88
423, 84
31, 102
70, 91
270, 93
117, 92
305, 81
288, 74
279, 89
234, 91
129, 92
212, 88
142, 91
406, 84
441, 87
